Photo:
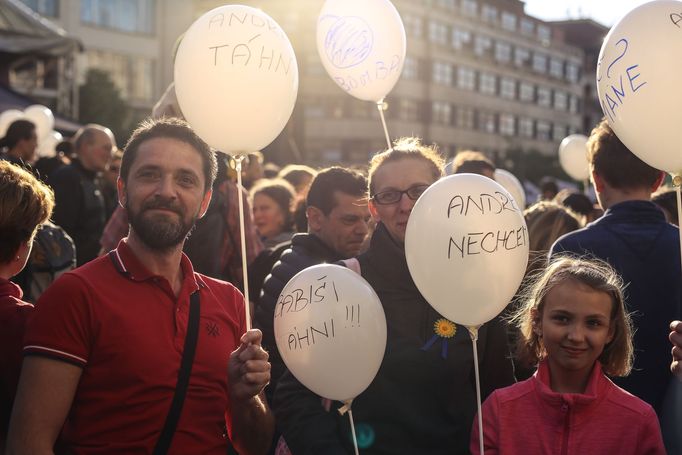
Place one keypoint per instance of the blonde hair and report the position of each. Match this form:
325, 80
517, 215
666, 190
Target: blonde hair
407, 147
25, 203
617, 356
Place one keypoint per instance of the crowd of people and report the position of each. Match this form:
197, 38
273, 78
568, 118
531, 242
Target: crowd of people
133, 338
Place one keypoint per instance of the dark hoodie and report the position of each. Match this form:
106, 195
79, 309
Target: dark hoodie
423, 399
634, 237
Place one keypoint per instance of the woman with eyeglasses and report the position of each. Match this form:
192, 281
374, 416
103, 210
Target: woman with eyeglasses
423, 399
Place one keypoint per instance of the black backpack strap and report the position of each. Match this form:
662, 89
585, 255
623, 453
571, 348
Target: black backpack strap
173, 417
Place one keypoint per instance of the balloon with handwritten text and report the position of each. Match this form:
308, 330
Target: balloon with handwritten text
638, 81
466, 246
513, 185
236, 78
573, 156
330, 330
362, 46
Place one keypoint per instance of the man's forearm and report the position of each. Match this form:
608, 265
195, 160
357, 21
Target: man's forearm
253, 425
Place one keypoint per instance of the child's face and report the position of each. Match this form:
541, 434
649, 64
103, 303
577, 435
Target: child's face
574, 327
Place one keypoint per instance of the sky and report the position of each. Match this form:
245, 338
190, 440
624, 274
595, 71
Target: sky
606, 12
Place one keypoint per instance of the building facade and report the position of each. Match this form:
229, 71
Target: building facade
479, 74
133, 40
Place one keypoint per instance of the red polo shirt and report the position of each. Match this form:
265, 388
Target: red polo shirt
13, 316
126, 329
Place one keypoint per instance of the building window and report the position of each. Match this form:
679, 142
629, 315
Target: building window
460, 38
508, 88
465, 118
413, 25
572, 72
447, 4
410, 69
539, 63
544, 33
573, 104
482, 44
488, 84
559, 132
49, 8
527, 27
135, 16
466, 78
526, 127
508, 21
442, 73
502, 52
521, 56
556, 68
526, 92
544, 97
560, 100
489, 14
507, 127
543, 128
469, 7
133, 76
441, 112
408, 110
486, 121
438, 33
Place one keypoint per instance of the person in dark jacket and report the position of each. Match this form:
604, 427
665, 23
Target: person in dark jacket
634, 237
423, 399
80, 208
337, 226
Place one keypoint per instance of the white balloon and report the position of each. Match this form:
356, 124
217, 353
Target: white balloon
466, 246
330, 330
42, 117
513, 185
7, 118
362, 46
638, 81
236, 78
47, 145
573, 156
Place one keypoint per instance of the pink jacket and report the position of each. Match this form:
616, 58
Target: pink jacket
529, 418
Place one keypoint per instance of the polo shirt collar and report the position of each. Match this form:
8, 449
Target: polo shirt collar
127, 263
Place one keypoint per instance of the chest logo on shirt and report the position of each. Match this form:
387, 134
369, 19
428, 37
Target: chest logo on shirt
212, 329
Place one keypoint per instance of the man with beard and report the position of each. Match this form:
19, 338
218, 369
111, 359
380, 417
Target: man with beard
131, 352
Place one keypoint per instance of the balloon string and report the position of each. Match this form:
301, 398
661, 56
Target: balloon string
242, 235
352, 430
677, 183
473, 333
380, 107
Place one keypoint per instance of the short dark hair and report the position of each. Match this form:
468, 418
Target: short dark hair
473, 162
18, 130
174, 128
297, 174
331, 179
615, 163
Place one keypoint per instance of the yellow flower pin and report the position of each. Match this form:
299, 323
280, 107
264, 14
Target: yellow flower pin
444, 328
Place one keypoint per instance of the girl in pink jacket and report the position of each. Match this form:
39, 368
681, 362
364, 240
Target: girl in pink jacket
575, 325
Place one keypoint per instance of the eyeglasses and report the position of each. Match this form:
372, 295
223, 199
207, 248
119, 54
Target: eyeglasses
393, 196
